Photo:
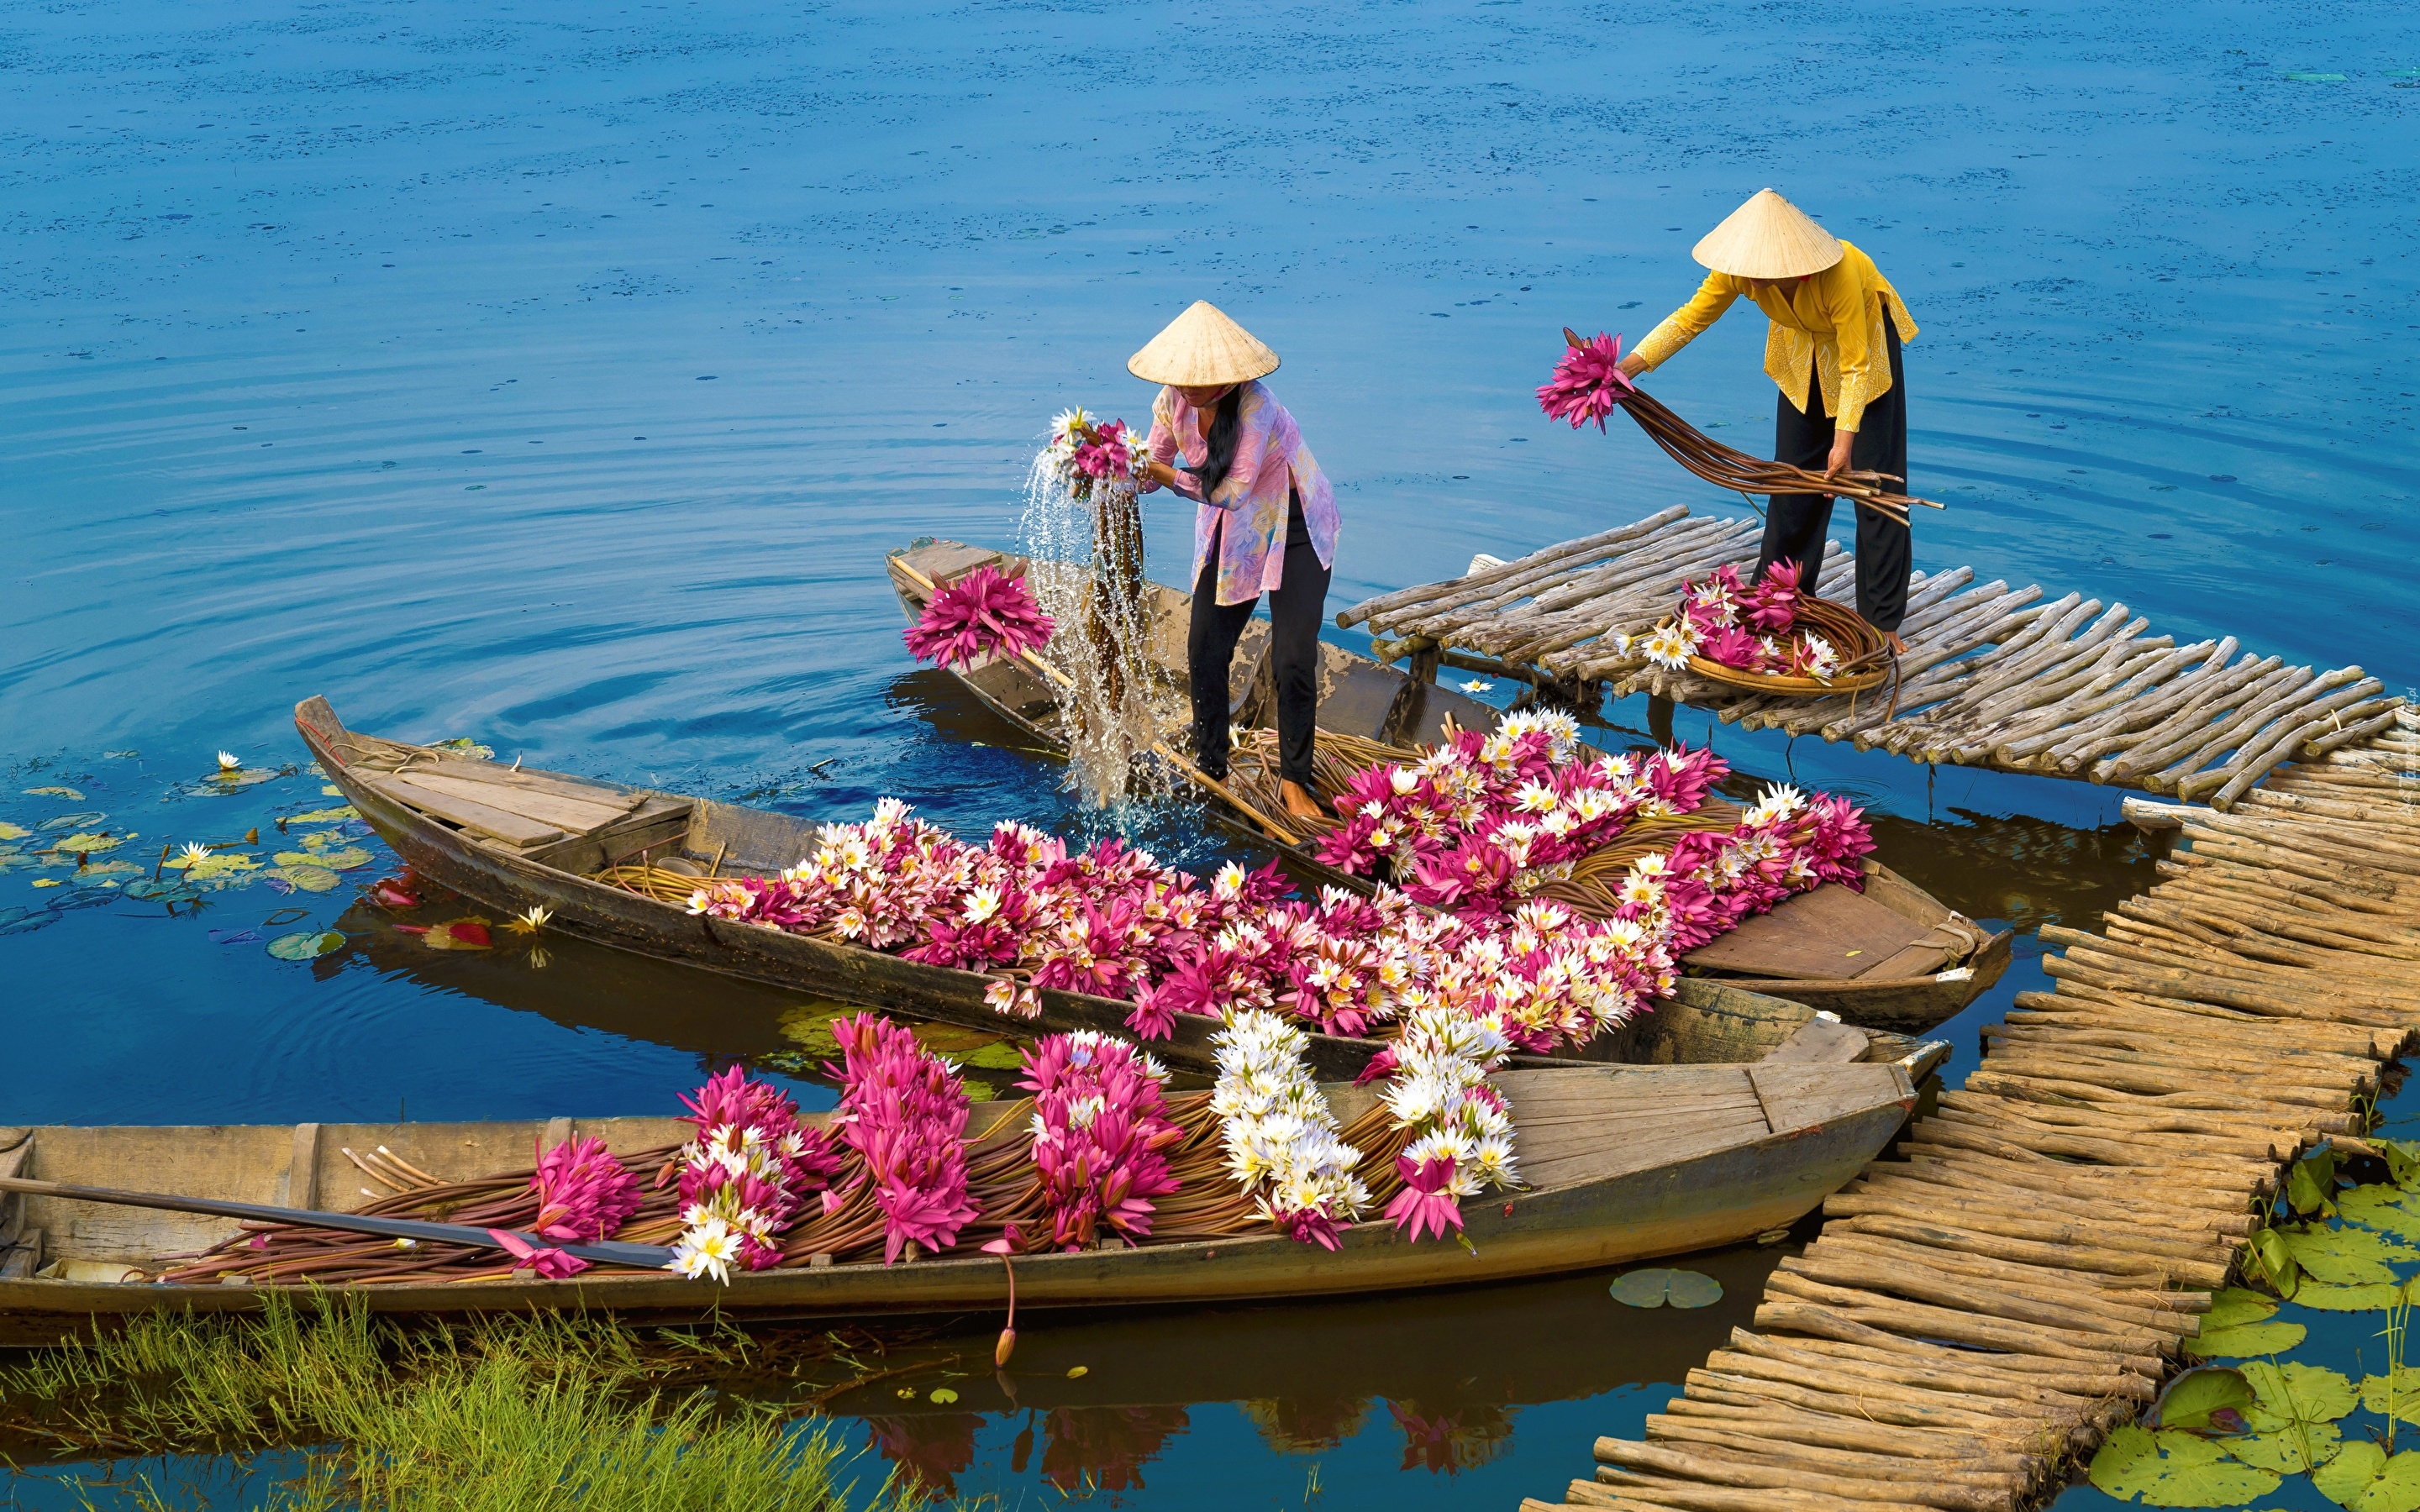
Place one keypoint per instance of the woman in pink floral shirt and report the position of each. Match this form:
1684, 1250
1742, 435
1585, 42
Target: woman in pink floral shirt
1267, 523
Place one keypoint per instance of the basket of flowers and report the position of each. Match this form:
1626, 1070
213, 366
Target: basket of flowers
1769, 636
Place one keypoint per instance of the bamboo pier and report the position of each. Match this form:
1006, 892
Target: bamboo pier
1994, 677
2018, 1277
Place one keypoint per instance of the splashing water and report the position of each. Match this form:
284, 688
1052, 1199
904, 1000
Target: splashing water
1087, 573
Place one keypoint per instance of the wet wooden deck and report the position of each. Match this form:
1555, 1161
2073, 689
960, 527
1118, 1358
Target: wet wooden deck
2022, 1273
1996, 676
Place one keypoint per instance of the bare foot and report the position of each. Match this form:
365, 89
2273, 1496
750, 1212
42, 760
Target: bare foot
1899, 647
1298, 801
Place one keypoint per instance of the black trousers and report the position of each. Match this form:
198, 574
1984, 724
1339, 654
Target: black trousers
1294, 609
1795, 524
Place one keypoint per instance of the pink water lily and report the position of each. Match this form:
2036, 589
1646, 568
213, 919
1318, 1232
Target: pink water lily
983, 615
1100, 1137
1426, 1203
582, 1191
1588, 383
903, 1111
548, 1262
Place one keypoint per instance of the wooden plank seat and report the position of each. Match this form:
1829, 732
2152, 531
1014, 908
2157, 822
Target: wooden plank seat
1830, 933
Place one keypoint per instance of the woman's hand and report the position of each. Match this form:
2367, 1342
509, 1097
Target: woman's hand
1632, 365
1843, 442
1160, 474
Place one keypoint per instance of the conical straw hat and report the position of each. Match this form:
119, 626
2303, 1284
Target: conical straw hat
1201, 348
1768, 237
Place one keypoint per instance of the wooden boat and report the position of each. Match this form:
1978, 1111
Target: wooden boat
516, 838
1891, 957
1743, 1127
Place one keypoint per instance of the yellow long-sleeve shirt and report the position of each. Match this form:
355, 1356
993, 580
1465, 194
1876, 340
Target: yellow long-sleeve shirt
1833, 320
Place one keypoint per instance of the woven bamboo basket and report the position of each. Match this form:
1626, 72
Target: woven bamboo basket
1860, 645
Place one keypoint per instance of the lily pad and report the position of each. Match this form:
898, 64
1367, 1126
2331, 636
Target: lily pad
2398, 1396
109, 869
325, 816
2371, 1296
9, 832
70, 793
2194, 1397
2346, 1256
225, 863
465, 746
2363, 1478
166, 890
2235, 1306
234, 782
307, 878
2246, 1340
89, 845
2390, 1209
16, 921
2296, 1393
1655, 1288
2175, 1469
942, 1394
344, 858
75, 821
307, 946
2311, 1184
2293, 1450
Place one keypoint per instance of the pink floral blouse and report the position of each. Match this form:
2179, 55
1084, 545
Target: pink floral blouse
1270, 459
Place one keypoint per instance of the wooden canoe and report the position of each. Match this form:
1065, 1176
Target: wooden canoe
1624, 1163
1892, 957
514, 839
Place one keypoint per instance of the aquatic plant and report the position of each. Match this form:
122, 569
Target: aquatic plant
1280, 1137
1588, 383
903, 1110
504, 1414
982, 615
1755, 628
1101, 1133
744, 1175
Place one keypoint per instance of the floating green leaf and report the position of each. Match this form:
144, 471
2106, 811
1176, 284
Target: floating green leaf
465, 746
325, 816
2346, 1257
9, 832
2364, 1479
2402, 1161
2236, 1305
1654, 1288
75, 821
70, 793
2293, 1450
307, 878
2296, 1393
225, 863
2371, 1296
1003, 1055
2397, 1397
2246, 1340
2175, 1469
308, 946
89, 845
2380, 1206
234, 782
2191, 1397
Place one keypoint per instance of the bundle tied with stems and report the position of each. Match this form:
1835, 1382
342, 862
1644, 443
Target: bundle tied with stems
1589, 384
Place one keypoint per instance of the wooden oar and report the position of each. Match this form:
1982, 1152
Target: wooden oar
602, 1251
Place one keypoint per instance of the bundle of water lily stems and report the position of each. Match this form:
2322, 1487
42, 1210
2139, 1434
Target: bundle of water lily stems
1589, 384
1002, 1185
1252, 776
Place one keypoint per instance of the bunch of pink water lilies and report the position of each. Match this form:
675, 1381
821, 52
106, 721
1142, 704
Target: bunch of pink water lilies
1482, 820
1113, 921
1755, 628
980, 616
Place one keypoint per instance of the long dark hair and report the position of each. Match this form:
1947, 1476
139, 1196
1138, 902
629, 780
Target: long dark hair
1219, 445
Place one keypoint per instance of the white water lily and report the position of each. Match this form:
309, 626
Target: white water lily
1671, 647
707, 1249
194, 854
230, 762
532, 919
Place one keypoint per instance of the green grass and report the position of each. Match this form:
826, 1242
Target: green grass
509, 1414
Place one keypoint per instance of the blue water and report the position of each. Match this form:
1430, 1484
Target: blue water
556, 375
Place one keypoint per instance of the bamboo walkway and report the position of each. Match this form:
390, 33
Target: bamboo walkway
2019, 1275
1996, 676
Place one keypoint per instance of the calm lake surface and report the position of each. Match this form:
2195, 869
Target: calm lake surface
556, 375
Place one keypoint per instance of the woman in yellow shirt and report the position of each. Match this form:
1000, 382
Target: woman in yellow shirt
1833, 349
